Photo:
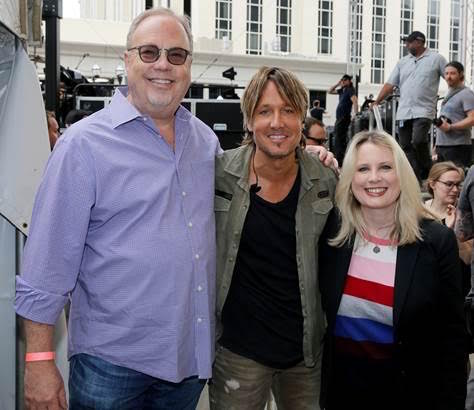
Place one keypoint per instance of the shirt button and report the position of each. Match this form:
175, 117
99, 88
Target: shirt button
183, 193
199, 288
190, 224
199, 320
196, 256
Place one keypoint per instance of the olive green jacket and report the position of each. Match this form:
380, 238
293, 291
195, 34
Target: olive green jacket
315, 200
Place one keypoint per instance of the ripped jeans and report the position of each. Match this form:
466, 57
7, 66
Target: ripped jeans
239, 383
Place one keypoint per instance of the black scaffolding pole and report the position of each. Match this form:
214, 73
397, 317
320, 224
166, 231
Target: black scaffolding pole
52, 12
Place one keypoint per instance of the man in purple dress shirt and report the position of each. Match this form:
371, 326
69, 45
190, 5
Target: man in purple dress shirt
123, 225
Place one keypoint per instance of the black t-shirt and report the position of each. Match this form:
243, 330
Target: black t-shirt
262, 316
345, 103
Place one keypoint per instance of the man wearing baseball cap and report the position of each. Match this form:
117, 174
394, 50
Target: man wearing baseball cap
417, 76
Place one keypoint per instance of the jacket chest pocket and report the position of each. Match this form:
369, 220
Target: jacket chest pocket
221, 211
320, 213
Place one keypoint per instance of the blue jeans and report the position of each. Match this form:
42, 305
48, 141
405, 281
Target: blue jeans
97, 384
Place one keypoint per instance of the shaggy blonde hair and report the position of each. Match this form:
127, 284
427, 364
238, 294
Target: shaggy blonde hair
409, 209
290, 88
439, 169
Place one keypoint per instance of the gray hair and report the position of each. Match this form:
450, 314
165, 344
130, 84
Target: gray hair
160, 11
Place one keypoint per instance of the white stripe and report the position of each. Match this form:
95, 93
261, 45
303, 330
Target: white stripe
358, 308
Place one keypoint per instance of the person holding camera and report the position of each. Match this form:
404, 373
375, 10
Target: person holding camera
453, 140
347, 103
417, 75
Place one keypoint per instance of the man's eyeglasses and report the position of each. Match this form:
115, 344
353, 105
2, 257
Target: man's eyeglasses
450, 184
318, 141
150, 53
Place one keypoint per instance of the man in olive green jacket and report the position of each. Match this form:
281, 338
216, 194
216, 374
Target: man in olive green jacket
271, 204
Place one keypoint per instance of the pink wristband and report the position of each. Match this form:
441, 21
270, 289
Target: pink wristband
37, 356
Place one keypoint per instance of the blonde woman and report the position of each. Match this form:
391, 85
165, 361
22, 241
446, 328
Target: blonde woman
391, 287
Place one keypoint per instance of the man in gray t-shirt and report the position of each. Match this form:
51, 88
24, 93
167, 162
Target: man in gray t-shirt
453, 141
417, 76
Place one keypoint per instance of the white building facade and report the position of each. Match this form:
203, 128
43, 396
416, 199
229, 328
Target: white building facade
319, 40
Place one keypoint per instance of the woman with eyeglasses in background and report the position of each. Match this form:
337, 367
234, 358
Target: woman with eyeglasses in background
444, 184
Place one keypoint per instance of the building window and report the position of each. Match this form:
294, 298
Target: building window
137, 8
325, 27
406, 23
433, 24
377, 63
224, 19
254, 27
356, 31
283, 25
454, 30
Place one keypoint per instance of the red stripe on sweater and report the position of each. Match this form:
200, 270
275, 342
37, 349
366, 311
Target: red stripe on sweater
375, 292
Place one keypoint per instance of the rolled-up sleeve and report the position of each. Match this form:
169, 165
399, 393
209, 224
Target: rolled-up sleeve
58, 232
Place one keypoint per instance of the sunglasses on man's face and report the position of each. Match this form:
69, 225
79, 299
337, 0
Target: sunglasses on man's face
150, 53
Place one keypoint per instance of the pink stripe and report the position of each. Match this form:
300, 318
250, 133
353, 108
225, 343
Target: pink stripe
372, 270
380, 241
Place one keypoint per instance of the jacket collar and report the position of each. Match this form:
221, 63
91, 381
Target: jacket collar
239, 166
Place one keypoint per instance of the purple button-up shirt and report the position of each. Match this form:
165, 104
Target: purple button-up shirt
126, 227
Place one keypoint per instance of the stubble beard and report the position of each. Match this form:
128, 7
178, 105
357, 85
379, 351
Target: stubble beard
275, 155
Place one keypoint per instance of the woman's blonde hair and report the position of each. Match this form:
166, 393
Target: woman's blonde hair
439, 169
409, 209
289, 87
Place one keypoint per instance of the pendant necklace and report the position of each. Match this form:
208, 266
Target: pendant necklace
376, 249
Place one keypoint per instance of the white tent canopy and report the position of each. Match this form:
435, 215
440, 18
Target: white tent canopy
24, 151
10, 16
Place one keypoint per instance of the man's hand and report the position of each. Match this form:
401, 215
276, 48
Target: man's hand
44, 386
325, 156
445, 125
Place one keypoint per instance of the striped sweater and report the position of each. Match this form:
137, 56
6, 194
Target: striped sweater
364, 322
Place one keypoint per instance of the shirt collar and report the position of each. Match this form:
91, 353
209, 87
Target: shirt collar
425, 53
122, 111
